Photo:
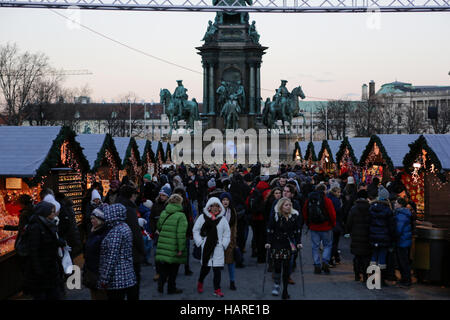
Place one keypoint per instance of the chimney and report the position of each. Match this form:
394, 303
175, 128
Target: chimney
371, 89
364, 96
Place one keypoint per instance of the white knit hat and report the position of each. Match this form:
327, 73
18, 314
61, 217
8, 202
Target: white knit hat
148, 204
350, 180
95, 195
51, 199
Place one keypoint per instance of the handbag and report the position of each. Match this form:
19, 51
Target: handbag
197, 252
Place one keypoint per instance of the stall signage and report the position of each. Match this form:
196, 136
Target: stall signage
14, 183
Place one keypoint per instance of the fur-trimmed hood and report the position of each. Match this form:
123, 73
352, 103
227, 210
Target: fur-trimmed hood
210, 202
277, 211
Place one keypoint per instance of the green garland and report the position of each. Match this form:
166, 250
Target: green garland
160, 150
374, 138
345, 144
148, 149
108, 143
310, 152
132, 145
54, 155
326, 146
431, 158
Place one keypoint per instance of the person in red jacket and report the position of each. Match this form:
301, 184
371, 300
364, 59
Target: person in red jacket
255, 205
320, 217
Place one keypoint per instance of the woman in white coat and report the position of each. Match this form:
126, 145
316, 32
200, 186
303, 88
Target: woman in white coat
212, 232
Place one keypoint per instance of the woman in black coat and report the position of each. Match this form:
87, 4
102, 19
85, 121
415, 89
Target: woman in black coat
358, 228
43, 275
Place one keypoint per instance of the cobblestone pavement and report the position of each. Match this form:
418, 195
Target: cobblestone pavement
338, 285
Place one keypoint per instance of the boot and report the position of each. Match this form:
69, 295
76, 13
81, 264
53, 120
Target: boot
325, 268
276, 290
175, 291
357, 277
188, 272
285, 295
199, 287
317, 270
232, 285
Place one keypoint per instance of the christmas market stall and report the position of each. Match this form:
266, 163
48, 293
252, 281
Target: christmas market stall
31, 159
311, 153
347, 158
384, 155
167, 149
103, 158
131, 160
158, 151
148, 157
297, 154
427, 183
327, 155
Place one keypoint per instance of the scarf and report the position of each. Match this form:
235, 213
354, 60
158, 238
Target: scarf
209, 230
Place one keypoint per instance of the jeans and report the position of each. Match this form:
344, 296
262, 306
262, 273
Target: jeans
231, 269
379, 257
217, 275
327, 240
148, 246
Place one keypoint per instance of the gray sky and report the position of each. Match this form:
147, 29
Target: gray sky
329, 55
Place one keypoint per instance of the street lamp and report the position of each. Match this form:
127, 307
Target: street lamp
129, 101
145, 119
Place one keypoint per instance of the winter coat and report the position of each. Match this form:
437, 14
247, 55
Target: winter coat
145, 214
191, 184
403, 227
348, 200
327, 225
116, 252
132, 222
223, 234
111, 197
157, 209
172, 226
382, 224
337, 204
229, 252
358, 228
280, 233
264, 188
67, 227
43, 266
92, 252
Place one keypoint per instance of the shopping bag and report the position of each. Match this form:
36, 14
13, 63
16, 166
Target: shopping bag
67, 261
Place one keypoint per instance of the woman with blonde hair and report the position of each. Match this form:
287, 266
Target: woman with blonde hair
283, 240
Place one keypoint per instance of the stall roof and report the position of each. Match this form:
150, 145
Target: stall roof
303, 146
91, 144
155, 145
141, 145
358, 146
122, 146
334, 147
397, 146
24, 149
440, 144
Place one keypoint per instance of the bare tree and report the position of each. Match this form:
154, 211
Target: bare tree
415, 122
335, 116
18, 74
363, 118
442, 123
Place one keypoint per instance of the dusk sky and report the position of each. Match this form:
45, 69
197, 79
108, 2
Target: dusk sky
330, 55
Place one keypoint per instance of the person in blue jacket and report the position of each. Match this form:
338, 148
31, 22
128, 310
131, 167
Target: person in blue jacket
403, 233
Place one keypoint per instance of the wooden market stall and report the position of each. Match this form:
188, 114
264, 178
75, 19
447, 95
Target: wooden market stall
311, 153
348, 155
131, 159
427, 177
327, 155
297, 154
148, 157
158, 151
104, 160
33, 158
383, 155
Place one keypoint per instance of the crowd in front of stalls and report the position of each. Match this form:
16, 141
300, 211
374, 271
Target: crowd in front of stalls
187, 213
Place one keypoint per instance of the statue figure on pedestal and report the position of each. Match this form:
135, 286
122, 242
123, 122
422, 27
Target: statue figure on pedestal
178, 107
212, 29
284, 106
230, 113
253, 34
222, 91
239, 95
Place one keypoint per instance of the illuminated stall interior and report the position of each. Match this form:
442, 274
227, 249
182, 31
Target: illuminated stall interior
427, 176
383, 155
297, 154
148, 157
103, 158
327, 155
131, 160
348, 155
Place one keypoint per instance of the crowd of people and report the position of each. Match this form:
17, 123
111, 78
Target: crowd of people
205, 213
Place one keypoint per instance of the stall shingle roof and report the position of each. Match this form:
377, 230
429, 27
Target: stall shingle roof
303, 146
24, 149
358, 146
397, 146
121, 146
334, 147
91, 144
440, 144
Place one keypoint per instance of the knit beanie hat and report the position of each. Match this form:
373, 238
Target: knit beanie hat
51, 199
291, 175
350, 180
148, 204
166, 190
248, 177
95, 195
211, 183
43, 209
148, 177
383, 194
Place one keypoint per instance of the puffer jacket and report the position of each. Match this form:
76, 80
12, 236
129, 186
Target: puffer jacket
172, 226
403, 227
382, 224
264, 188
116, 252
281, 232
358, 228
223, 234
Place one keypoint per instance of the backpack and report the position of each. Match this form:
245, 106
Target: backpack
316, 208
256, 202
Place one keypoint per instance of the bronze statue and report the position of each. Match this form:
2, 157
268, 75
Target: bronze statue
253, 34
244, 17
222, 91
179, 108
239, 95
212, 29
284, 107
230, 113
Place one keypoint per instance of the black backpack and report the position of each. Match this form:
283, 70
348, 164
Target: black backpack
316, 208
256, 202
22, 244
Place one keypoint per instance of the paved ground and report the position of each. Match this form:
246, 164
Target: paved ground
339, 285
